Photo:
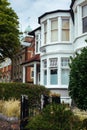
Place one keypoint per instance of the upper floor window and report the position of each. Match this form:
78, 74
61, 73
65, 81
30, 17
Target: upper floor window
37, 43
38, 40
84, 18
65, 29
45, 33
54, 30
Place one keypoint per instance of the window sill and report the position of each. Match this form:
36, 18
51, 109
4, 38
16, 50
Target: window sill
82, 35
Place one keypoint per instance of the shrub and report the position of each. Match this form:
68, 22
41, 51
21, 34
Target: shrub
55, 117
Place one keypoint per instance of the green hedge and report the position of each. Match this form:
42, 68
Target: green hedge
15, 90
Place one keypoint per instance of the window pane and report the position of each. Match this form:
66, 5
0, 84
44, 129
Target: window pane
53, 77
65, 23
65, 62
45, 33
54, 36
45, 77
44, 63
65, 76
84, 11
54, 30
45, 27
36, 37
65, 35
54, 24
53, 62
36, 46
84, 24
65, 30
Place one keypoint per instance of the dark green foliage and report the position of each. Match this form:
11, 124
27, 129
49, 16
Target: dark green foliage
15, 90
9, 32
78, 79
54, 117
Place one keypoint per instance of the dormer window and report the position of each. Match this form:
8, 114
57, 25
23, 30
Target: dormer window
84, 18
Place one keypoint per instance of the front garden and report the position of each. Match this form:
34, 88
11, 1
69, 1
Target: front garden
52, 117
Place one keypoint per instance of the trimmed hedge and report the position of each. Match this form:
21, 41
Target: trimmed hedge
15, 90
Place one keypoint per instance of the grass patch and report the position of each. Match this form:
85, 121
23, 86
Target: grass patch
80, 113
10, 108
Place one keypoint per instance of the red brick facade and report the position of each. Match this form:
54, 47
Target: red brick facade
5, 74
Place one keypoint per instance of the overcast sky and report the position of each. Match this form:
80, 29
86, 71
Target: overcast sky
28, 11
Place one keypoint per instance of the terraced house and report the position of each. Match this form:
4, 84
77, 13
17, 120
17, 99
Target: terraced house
60, 35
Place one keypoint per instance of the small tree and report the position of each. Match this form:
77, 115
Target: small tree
9, 32
78, 79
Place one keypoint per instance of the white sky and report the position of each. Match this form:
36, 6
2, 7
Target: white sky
28, 11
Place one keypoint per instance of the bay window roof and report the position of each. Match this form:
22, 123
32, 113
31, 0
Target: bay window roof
51, 12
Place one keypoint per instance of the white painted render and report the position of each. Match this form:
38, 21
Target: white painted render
60, 49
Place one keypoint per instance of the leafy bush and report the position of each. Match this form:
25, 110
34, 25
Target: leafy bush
15, 90
78, 79
55, 117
